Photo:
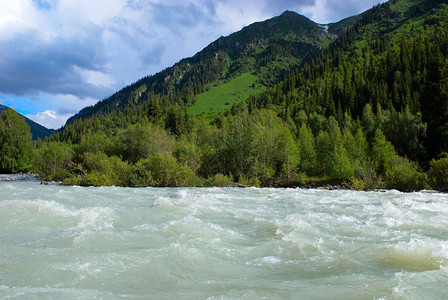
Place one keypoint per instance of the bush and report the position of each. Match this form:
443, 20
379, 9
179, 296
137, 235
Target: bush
404, 177
220, 181
53, 161
438, 173
356, 184
167, 171
366, 176
252, 182
106, 171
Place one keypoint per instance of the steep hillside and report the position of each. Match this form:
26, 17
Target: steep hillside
393, 60
37, 130
267, 49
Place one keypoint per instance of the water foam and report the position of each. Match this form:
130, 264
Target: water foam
415, 256
222, 243
181, 198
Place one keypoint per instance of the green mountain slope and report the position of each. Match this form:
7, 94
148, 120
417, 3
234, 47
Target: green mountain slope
37, 130
267, 49
394, 59
222, 97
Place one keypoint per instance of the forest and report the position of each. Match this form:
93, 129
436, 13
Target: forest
369, 111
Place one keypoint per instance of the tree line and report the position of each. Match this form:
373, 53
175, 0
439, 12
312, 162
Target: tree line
371, 111
250, 149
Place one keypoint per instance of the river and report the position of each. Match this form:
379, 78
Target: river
69, 242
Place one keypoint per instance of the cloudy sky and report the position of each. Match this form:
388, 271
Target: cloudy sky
58, 56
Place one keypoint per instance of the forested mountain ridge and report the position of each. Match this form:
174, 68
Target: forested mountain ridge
367, 108
268, 49
394, 60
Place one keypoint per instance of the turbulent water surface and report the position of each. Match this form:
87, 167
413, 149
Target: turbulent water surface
220, 243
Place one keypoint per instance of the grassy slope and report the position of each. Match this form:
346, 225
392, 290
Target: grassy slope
221, 98
402, 6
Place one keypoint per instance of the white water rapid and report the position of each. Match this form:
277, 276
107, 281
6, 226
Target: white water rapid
64, 242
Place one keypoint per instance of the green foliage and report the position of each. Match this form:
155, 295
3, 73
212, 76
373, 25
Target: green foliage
274, 149
404, 176
324, 147
382, 153
15, 143
356, 184
438, 173
165, 170
93, 143
188, 153
406, 132
234, 150
250, 182
341, 166
105, 170
220, 180
53, 161
178, 121
306, 145
134, 143
155, 113
142, 140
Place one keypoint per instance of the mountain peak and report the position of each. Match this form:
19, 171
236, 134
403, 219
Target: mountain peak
289, 13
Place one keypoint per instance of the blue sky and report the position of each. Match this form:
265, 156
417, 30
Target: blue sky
59, 56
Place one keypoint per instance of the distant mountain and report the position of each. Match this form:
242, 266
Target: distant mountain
267, 49
37, 130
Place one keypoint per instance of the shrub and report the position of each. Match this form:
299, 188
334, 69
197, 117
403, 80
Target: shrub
404, 176
356, 184
53, 161
167, 171
438, 173
220, 180
252, 182
106, 171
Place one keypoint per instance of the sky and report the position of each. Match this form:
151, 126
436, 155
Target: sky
58, 56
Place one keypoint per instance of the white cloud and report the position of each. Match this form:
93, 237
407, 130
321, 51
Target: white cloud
48, 119
16, 17
331, 11
96, 78
66, 106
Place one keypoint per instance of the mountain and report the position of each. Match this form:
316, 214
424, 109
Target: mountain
267, 50
362, 102
387, 70
37, 130
257, 58
389, 57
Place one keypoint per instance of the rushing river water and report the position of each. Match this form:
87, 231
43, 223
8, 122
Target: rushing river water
220, 243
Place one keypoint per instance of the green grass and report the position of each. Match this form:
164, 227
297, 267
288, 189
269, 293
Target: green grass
221, 98
402, 6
